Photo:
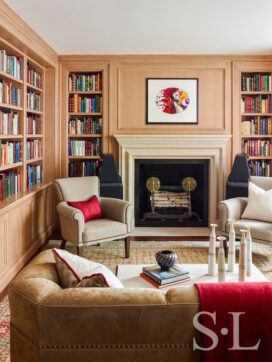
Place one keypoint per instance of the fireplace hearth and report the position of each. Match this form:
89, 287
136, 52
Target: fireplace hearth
171, 192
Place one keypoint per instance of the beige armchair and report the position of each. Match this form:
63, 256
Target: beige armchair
115, 226
233, 209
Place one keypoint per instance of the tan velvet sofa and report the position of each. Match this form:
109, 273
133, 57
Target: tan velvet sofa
51, 324
233, 209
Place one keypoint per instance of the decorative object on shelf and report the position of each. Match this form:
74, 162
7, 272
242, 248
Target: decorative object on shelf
172, 101
166, 259
221, 261
248, 251
231, 251
212, 256
242, 257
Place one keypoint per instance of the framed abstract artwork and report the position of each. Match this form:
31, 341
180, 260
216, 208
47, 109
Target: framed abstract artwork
172, 100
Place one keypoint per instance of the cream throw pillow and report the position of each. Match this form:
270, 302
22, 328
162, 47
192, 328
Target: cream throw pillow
75, 272
259, 205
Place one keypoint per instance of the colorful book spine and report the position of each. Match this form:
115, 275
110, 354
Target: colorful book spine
33, 149
256, 104
34, 125
84, 148
33, 101
9, 123
10, 153
257, 126
10, 183
85, 82
84, 168
33, 77
257, 147
257, 82
85, 125
80, 104
34, 175
9, 94
11, 64
261, 167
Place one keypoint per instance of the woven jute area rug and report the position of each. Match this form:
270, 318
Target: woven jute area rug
111, 254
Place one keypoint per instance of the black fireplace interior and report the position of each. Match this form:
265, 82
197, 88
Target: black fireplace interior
171, 173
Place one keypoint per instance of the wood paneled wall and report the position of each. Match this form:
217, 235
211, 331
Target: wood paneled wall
126, 91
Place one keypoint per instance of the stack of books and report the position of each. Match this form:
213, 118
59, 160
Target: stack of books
165, 278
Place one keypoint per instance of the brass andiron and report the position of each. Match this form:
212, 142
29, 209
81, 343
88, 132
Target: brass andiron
152, 184
189, 184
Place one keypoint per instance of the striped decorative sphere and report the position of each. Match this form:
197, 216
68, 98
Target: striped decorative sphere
166, 259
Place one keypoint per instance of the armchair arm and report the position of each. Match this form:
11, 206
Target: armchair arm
71, 222
231, 209
118, 210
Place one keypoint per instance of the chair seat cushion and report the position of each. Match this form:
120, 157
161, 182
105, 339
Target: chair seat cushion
259, 229
91, 209
96, 230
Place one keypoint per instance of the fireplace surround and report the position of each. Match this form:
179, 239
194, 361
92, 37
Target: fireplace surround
209, 147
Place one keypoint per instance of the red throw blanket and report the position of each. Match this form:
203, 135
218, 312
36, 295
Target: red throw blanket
242, 321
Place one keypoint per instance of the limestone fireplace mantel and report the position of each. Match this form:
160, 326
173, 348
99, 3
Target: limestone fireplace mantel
211, 147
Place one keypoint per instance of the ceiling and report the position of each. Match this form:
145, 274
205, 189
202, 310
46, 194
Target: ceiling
150, 26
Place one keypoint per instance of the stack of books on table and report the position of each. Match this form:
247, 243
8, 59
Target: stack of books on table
165, 278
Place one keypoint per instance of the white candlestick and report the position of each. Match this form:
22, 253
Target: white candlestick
212, 256
231, 251
221, 261
248, 251
242, 257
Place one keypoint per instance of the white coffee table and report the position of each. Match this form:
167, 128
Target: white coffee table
129, 275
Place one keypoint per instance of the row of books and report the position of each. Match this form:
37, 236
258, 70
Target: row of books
256, 82
11, 65
85, 125
34, 124
164, 278
33, 100
33, 77
257, 126
10, 183
84, 168
10, 152
84, 148
9, 94
33, 149
85, 82
34, 175
257, 147
261, 168
258, 104
78, 103
9, 123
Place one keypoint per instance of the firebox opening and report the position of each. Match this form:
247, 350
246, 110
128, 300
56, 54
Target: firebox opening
171, 192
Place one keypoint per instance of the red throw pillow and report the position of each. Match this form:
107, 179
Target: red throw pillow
91, 208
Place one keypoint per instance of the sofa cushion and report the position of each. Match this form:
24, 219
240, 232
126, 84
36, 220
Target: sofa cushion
259, 229
75, 271
103, 229
91, 209
259, 206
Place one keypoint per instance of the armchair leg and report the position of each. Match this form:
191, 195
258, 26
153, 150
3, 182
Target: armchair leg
127, 246
63, 243
80, 250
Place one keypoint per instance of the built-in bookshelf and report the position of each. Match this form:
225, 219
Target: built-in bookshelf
85, 123
21, 121
256, 120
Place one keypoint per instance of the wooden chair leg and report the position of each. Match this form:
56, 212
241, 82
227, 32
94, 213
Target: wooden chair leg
127, 246
63, 243
80, 250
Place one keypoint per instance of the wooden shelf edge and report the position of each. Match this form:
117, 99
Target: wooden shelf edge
34, 135
9, 167
260, 158
256, 92
34, 87
11, 77
33, 111
84, 157
34, 160
10, 136
257, 136
85, 92
84, 114
10, 106
84, 135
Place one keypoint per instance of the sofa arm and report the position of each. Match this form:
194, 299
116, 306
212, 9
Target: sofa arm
71, 223
118, 210
231, 209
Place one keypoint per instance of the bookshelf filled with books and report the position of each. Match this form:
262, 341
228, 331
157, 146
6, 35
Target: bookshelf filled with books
21, 121
85, 123
256, 119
